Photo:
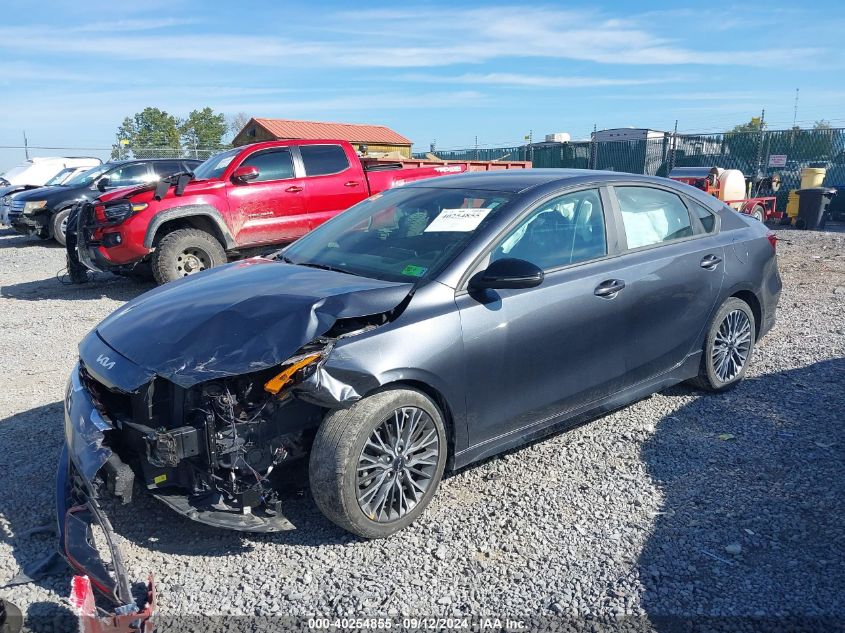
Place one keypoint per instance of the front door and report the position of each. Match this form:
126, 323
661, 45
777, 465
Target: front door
271, 208
538, 352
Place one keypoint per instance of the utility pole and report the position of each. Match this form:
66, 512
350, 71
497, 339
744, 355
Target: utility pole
476, 147
673, 146
795, 109
760, 143
531, 145
25, 145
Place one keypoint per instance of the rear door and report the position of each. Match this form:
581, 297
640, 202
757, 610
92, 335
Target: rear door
672, 268
535, 353
333, 182
271, 208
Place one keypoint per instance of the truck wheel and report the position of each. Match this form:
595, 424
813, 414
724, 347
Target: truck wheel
758, 213
185, 252
58, 226
375, 466
727, 348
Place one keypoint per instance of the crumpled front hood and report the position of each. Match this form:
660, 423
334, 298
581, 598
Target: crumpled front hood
239, 318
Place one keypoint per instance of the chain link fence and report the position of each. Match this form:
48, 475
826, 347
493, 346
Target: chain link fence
785, 152
162, 152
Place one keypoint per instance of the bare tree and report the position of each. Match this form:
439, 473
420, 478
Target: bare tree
236, 122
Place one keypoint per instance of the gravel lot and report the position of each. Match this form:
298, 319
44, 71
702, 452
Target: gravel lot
644, 512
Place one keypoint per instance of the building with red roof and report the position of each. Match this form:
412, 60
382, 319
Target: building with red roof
376, 138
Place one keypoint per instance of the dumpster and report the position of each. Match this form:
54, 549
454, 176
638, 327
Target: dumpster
837, 205
813, 206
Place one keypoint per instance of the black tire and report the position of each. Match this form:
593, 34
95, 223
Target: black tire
170, 260
338, 447
709, 378
56, 230
759, 213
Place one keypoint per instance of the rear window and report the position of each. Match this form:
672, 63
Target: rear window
708, 219
167, 167
321, 160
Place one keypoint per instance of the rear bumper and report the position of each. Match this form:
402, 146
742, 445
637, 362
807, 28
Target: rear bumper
78, 514
770, 296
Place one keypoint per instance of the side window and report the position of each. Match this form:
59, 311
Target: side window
274, 164
321, 160
128, 175
564, 230
167, 167
708, 219
651, 216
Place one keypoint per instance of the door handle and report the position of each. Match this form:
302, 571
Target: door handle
710, 262
293, 189
351, 183
609, 288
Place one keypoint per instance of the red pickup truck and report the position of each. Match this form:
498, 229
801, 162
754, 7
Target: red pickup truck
238, 201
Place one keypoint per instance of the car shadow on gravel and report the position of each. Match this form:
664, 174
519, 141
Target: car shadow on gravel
30, 442
101, 285
754, 488
11, 239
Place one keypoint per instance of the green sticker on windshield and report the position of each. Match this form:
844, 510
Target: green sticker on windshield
414, 271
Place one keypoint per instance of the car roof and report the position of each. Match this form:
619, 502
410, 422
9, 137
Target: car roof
127, 161
519, 180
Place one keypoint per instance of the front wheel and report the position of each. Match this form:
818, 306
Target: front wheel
185, 252
728, 347
376, 466
58, 226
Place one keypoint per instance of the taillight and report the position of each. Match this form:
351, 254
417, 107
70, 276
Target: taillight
773, 239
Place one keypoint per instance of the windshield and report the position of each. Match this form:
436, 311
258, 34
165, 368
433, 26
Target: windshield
87, 177
216, 165
401, 235
58, 178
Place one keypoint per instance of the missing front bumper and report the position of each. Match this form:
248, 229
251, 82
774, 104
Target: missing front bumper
79, 516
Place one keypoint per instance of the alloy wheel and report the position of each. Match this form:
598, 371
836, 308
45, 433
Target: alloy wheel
731, 345
396, 465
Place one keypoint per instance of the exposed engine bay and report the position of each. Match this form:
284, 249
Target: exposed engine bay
211, 451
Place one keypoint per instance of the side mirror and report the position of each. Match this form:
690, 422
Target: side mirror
244, 174
102, 183
508, 273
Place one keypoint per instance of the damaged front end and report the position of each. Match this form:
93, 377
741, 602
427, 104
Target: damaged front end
211, 452
84, 532
207, 422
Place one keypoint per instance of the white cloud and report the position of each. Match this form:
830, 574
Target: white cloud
406, 39
538, 81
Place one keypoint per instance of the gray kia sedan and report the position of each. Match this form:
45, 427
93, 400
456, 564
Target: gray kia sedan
425, 328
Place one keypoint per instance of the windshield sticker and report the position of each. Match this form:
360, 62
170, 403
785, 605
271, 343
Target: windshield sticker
458, 220
414, 271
